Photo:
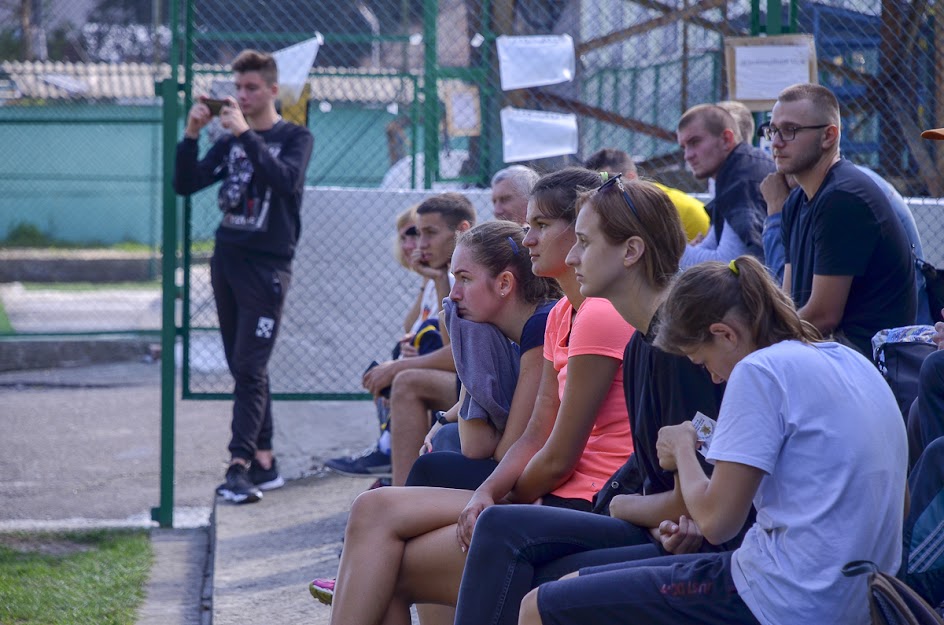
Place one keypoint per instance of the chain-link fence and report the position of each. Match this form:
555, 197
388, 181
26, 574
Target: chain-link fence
406, 95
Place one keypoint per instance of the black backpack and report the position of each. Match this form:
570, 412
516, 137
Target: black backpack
898, 354
891, 601
934, 285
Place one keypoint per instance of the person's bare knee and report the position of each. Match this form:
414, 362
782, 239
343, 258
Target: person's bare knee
413, 395
529, 613
366, 509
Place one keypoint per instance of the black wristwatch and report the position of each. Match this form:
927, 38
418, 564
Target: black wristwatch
441, 417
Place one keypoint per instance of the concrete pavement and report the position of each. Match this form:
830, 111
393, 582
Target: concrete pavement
83, 448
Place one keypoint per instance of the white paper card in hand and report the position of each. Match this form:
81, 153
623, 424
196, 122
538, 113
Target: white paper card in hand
535, 61
529, 134
704, 429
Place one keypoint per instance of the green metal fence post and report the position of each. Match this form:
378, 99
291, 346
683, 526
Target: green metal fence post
164, 513
774, 17
167, 89
430, 94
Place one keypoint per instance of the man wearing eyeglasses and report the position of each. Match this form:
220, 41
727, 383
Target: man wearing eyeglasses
847, 265
713, 148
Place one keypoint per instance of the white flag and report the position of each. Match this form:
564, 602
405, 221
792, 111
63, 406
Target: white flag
534, 61
294, 63
529, 135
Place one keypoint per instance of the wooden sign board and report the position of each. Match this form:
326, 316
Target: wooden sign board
759, 68
463, 118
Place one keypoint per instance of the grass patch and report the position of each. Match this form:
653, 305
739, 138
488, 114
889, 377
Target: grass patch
26, 235
74, 578
152, 285
5, 326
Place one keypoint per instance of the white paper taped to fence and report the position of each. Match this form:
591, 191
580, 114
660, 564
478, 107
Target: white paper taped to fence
529, 135
294, 63
535, 61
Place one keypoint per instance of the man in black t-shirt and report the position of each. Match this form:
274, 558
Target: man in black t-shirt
262, 163
848, 265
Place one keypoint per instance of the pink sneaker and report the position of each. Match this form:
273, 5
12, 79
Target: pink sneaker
322, 590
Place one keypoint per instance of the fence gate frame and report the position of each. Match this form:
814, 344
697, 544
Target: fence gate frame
495, 17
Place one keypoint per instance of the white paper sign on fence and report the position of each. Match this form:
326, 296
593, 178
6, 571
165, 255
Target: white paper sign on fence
294, 63
764, 71
529, 135
534, 61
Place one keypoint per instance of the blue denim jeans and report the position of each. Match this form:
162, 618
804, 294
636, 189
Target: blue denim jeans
694, 588
516, 547
923, 536
926, 420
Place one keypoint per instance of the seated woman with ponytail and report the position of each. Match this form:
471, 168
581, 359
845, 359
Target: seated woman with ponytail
401, 544
808, 431
498, 360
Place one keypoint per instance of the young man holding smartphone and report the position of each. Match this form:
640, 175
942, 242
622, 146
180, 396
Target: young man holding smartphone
262, 164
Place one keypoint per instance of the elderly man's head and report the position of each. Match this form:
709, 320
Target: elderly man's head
510, 190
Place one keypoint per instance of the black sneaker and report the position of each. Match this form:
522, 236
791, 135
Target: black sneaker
372, 462
237, 487
265, 479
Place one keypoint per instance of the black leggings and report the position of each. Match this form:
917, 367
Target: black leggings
449, 469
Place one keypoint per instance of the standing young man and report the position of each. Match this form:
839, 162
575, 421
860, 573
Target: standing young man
848, 262
262, 164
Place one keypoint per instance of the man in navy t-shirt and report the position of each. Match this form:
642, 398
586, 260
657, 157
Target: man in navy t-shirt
848, 262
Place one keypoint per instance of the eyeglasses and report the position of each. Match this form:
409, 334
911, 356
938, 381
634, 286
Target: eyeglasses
615, 181
787, 133
411, 232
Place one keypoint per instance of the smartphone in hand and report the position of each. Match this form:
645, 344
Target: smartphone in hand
215, 105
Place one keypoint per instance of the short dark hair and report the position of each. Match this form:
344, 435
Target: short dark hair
823, 100
255, 61
714, 118
454, 208
611, 159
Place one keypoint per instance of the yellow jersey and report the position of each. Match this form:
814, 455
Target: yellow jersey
694, 216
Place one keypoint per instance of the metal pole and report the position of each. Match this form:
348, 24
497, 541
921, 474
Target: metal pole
430, 94
164, 513
774, 17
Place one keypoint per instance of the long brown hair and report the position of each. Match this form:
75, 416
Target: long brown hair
712, 291
656, 221
499, 246
555, 194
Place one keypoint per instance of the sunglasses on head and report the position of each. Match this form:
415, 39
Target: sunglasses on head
615, 181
